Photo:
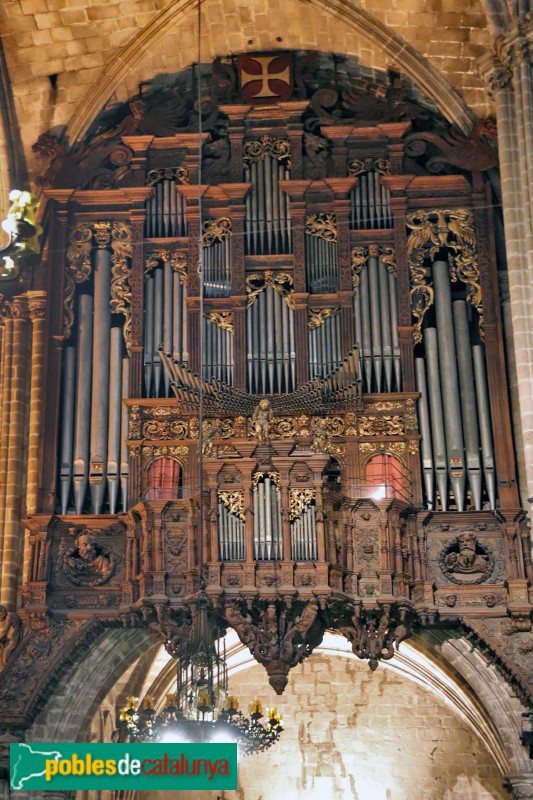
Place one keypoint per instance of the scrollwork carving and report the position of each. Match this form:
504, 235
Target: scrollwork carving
282, 282
299, 499
359, 260
216, 230
317, 316
178, 174
358, 166
121, 247
256, 150
222, 319
234, 502
323, 226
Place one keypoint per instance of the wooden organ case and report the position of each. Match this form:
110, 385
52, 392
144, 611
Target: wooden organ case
350, 285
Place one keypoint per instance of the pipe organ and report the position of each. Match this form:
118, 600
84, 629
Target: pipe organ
346, 356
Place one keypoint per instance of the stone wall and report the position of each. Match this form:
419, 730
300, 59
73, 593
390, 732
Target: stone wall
356, 735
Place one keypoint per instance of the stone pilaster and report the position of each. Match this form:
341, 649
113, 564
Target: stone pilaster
520, 786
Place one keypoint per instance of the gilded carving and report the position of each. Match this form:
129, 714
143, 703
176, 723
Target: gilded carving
165, 429
257, 476
369, 449
234, 502
321, 436
121, 247
78, 269
317, 316
300, 499
102, 233
210, 432
178, 174
216, 230
177, 258
388, 256
358, 166
430, 231
323, 226
261, 419
135, 422
359, 259
222, 319
379, 426
179, 452
282, 282
256, 150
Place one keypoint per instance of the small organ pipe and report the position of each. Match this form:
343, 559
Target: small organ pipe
270, 543
262, 337
278, 339
267, 168
115, 414
100, 383
435, 404
177, 312
69, 383
270, 338
166, 208
291, 345
483, 407
449, 380
468, 400
83, 400
249, 349
425, 430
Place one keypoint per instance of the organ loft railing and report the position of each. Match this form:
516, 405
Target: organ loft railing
354, 393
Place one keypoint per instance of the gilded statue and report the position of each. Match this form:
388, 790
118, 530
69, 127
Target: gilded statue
10, 633
208, 441
87, 564
321, 437
261, 419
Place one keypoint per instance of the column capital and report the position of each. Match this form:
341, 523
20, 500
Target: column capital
36, 305
494, 73
520, 786
18, 308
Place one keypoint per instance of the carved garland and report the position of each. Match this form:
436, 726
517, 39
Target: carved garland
430, 231
282, 282
257, 476
234, 502
323, 226
104, 234
216, 230
359, 165
299, 500
177, 258
317, 316
178, 174
256, 150
222, 319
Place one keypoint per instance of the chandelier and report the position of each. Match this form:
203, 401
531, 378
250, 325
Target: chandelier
200, 710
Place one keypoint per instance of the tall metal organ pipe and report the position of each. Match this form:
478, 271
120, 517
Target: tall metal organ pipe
231, 535
453, 409
322, 265
217, 269
449, 380
101, 376
67, 437
83, 399
303, 535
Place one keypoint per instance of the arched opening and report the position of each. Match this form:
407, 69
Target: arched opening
164, 479
386, 476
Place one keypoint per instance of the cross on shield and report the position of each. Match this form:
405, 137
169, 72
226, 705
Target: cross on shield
265, 78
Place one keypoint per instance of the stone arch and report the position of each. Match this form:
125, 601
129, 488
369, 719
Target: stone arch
140, 59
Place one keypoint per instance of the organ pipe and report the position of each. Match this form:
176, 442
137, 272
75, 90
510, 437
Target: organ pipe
218, 352
68, 392
449, 381
115, 418
303, 535
124, 455
231, 535
370, 203
325, 347
267, 521
437, 424
83, 400
483, 409
165, 211
425, 430
100, 384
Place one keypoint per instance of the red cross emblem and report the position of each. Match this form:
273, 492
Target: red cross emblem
266, 78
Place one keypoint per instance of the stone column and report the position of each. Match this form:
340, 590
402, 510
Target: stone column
507, 73
37, 308
5, 385
15, 484
520, 786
